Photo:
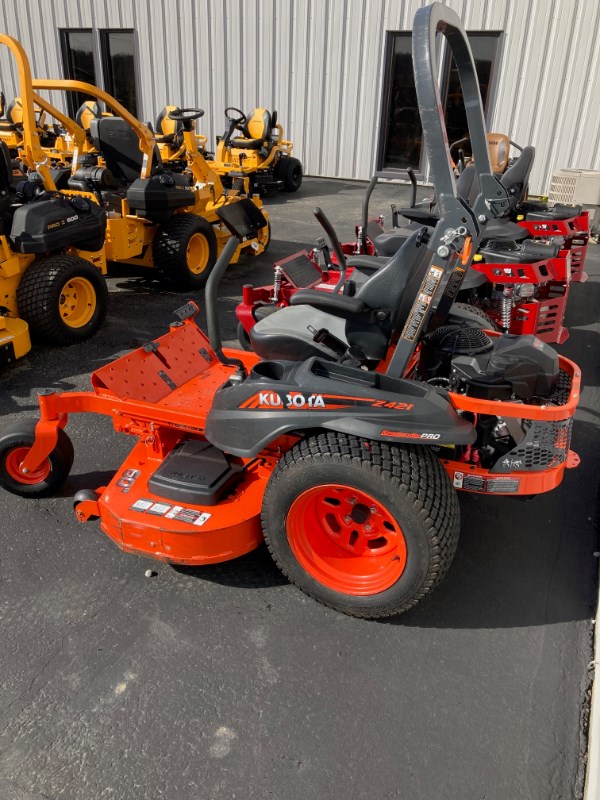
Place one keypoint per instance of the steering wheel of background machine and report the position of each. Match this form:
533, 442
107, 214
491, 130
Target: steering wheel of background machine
237, 121
186, 114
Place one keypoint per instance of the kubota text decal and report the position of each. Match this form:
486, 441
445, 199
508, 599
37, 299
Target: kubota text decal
314, 402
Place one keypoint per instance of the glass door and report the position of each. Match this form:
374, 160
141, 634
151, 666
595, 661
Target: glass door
401, 144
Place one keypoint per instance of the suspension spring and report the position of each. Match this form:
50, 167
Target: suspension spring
506, 308
359, 240
276, 284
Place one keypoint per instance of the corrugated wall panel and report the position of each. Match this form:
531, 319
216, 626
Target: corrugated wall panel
320, 63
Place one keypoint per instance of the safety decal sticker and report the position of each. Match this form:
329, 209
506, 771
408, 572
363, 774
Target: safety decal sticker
142, 505
478, 483
422, 303
188, 515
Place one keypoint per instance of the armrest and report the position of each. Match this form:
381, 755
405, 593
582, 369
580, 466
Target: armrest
367, 262
421, 215
340, 305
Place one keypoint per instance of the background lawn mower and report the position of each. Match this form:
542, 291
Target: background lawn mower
349, 475
258, 152
519, 284
157, 217
51, 259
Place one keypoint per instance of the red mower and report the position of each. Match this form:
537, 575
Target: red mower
519, 278
344, 448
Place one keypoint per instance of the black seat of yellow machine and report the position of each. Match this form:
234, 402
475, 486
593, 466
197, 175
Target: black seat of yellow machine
120, 147
257, 129
167, 128
86, 112
14, 116
289, 333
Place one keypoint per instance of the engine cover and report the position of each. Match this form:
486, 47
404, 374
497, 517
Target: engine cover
51, 224
521, 367
156, 198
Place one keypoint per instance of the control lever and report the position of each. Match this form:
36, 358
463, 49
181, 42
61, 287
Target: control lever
336, 246
322, 246
413, 194
362, 233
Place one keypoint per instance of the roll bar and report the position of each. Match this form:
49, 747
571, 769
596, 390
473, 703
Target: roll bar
460, 228
428, 22
34, 153
143, 132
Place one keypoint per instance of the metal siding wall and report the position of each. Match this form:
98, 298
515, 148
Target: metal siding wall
320, 63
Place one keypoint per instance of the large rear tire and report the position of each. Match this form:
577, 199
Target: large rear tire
289, 170
15, 443
364, 527
185, 251
63, 299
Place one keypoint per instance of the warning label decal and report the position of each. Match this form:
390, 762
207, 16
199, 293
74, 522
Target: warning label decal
189, 515
479, 483
428, 288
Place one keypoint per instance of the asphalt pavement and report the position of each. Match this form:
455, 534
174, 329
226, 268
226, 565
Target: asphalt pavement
226, 682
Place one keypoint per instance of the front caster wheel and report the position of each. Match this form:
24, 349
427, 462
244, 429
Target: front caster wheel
43, 481
364, 527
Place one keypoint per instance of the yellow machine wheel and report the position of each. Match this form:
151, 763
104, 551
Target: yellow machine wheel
63, 299
77, 302
185, 251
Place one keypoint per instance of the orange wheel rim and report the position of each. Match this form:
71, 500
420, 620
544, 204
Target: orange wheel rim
13, 467
197, 253
77, 302
346, 540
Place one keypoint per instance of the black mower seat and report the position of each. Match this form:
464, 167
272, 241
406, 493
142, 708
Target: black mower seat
367, 263
86, 112
364, 266
120, 147
257, 129
289, 333
557, 212
387, 244
167, 128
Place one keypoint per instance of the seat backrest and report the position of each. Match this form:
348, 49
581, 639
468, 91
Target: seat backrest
86, 112
516, 178
392, 288
119, 146
165, 126
467, 184
258, 124
499, 150
14, 111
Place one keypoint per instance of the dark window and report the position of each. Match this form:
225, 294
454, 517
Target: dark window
78, 58
402, 126
118, 64
402, 135
103, 58
484, 47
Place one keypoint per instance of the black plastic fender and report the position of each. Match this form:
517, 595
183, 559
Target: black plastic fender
279, 397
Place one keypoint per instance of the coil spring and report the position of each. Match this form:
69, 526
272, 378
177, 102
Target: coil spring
276, 284
506, 309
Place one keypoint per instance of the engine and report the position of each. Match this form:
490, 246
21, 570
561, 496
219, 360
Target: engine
506, 368
520, 368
